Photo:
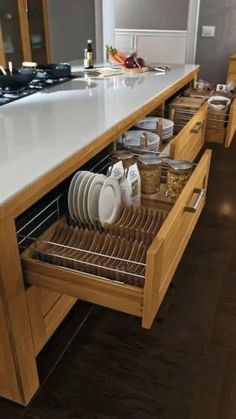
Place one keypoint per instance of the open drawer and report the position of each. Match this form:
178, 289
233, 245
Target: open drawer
221, 125
162, 259
190, 139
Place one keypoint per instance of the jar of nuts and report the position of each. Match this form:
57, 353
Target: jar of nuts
150, 172
179, 172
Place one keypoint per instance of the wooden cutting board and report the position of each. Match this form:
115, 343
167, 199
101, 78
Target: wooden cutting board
135, 70
187, 102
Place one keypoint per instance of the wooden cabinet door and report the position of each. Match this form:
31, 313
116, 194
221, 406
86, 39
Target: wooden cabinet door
24, 32
38, 30
47, 309
14, 38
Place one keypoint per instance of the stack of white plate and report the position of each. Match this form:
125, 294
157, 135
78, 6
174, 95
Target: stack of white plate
83, 196
150, 123
94, 198
133, 139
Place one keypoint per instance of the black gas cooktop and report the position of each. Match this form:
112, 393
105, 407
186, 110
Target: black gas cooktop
8, 96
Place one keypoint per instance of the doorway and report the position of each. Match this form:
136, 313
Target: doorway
105, 23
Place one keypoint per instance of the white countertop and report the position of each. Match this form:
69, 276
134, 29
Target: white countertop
41, 131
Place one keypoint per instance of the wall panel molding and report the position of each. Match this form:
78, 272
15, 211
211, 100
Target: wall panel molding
163, 46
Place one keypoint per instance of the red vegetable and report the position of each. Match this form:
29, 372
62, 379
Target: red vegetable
129, 62
141, 62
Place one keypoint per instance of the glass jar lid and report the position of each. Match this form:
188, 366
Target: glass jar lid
179, 164
122, 155
149, 160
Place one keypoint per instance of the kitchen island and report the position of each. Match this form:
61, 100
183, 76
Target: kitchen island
44, 139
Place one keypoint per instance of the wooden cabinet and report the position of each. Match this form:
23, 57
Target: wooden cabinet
52, 290
232, 69
38, 31
44, 293
24, 31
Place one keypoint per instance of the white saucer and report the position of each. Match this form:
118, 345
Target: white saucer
93, 197
73, 200
70, 195
109, 201
85, 197
80, 213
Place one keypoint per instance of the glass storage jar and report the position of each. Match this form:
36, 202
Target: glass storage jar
126, 157
150, 172
179, 172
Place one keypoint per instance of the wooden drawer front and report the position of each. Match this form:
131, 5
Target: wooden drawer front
231, 77
232, 66
96, 290
163, 257
231, 128
166, 251
46, 310
187, 144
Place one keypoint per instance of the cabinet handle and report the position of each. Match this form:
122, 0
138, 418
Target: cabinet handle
197, 127
193, 208
26, 7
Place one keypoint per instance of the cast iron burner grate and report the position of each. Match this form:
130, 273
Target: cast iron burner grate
8, 95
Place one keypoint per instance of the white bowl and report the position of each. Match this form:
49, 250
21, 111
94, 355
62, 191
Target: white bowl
219, 107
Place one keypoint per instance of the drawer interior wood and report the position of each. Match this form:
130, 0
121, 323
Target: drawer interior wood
162, 260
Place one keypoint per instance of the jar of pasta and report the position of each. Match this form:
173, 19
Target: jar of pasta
150, 172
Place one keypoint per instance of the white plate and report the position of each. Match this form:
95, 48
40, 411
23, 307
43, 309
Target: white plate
109, 201
132, 138
80, 213
74, 192
93, 197
167, 132
150, 123
70, 195
165, 137
85, 197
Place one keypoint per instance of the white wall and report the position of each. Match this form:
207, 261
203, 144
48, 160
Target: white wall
152, 14
213, 53
157, 29
71, 24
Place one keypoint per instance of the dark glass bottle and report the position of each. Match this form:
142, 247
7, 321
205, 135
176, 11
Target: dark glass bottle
89, 54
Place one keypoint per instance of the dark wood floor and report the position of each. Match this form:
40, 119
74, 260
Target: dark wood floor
185, 366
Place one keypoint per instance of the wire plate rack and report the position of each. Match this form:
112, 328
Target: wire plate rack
33, 231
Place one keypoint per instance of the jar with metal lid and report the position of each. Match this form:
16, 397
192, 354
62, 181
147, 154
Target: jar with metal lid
126, 157
150, 172
179, 172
